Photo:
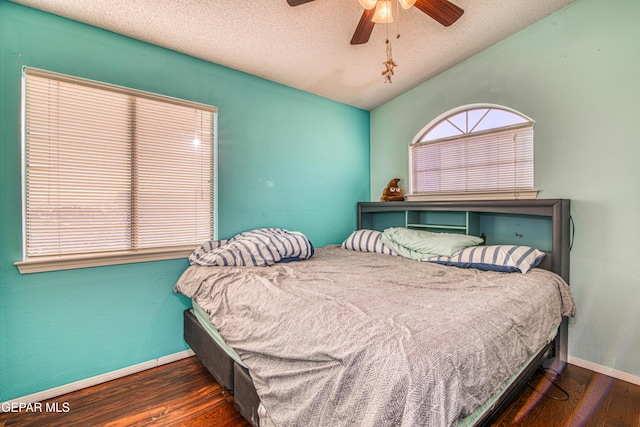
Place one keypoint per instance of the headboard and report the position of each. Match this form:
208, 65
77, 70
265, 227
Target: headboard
556, 212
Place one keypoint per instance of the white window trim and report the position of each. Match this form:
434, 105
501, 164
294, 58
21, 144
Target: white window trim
474, 195
467, 195
85, 260
68, 262
457, 110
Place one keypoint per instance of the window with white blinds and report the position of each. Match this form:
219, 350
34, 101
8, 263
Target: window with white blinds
111, 172
481, 152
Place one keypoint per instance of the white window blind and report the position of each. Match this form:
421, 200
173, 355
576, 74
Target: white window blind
491, 162
471, 161
111, 169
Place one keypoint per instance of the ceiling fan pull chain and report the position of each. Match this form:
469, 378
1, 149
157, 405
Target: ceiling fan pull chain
389, 64
398, 19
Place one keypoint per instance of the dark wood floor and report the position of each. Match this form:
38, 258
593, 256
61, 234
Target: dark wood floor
184, 394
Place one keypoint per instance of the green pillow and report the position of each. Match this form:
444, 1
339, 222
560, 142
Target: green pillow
421, 244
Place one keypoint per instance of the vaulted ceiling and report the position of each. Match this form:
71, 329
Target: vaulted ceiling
308, 46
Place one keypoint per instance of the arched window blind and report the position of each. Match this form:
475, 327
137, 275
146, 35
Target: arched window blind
109, 169
478, 151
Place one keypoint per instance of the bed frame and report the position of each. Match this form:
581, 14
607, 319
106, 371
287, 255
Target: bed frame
237, 380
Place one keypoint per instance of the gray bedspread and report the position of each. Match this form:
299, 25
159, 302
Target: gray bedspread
362, 339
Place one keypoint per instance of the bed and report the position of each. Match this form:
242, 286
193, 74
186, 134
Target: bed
426, 343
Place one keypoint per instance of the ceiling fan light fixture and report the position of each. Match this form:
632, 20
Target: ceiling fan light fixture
406, 4
368, 4
383, 13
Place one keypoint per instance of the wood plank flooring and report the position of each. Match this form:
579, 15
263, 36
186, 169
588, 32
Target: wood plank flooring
184, 394
594, 400
181, 393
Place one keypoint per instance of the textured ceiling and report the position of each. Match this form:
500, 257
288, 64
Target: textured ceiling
307, 47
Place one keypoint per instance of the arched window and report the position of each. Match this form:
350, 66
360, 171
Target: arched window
478, 151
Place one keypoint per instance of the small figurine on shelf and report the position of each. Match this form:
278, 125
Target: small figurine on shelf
392, 193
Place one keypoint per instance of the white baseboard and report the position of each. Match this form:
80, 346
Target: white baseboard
604, 370
99, 379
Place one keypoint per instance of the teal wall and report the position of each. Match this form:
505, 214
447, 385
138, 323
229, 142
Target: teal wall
577, 74
286, 158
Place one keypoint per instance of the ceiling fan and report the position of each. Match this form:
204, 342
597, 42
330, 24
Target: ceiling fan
443, 11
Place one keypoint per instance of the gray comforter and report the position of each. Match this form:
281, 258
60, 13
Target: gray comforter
350, 338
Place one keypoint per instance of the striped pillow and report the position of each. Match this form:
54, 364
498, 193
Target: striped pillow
367, 241
504, 258
259, 247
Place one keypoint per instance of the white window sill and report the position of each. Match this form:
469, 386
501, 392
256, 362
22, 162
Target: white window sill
490, 195
68, 262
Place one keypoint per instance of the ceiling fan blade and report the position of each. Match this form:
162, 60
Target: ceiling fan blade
297, 2
442, 11
364, 28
